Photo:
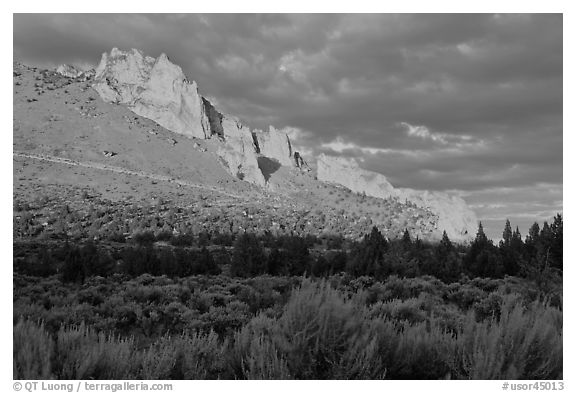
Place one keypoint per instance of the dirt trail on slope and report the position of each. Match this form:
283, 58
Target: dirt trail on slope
110, 168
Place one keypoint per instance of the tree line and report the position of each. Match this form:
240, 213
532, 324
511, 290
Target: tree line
537, 257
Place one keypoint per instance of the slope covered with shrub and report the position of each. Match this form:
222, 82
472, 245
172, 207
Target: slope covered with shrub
320, 329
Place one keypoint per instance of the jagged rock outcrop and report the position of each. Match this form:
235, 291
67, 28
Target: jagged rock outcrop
239, 152
347, 172
300, 163
158, 89
275, 144
454, 216
153, 88
69, 71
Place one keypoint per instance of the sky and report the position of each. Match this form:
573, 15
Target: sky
465, 103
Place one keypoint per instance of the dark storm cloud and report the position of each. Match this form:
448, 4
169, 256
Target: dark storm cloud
487, 89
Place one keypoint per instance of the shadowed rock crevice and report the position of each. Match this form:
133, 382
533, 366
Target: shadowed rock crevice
256, 144
268, 166
214, 118
299, 161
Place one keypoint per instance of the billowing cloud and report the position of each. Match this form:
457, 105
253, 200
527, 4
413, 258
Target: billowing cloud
467, 102
455, 141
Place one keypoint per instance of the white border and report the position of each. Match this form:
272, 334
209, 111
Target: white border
414, 6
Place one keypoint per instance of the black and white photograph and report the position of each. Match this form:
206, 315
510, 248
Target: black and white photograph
287, 196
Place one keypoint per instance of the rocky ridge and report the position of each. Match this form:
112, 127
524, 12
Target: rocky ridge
64, 135
455, 217
157, 89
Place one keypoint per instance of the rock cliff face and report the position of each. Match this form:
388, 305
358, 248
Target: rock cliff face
455, 217
346, 172
239, 152
153, 88
158, 89
276, 145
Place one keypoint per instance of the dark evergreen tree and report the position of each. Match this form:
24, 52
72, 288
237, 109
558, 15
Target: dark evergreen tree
248, 257
144, 238
446, 263
368, 256
168, 264
546, 236
445, 246
320, 267
338, 262
184, 262
274, 263
418, 244
206, 263
73, 268
510, 256
557, 242
516, 243
204, 239
540, 251
406, 240
532, 239
539, 264
41, 265
483, 258
296, 255
481, 238
506, 235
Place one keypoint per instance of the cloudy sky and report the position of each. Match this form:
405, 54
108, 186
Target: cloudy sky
470, 104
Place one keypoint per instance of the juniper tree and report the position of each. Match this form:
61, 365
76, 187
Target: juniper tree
406, 240
368, 256
506, 235
483, 258
557, 242
248, 257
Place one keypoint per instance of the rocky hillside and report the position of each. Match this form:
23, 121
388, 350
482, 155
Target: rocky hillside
455, 217
137, 116
66, 138
158, 90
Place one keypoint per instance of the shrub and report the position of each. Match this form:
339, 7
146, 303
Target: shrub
525, 343
184, 240
144, 237
422, 352
82, 353
334, 328
32, 351
159, 360
202, 356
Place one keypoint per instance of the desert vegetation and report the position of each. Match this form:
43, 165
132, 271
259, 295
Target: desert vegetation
144, 252
157, 305
271, 328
